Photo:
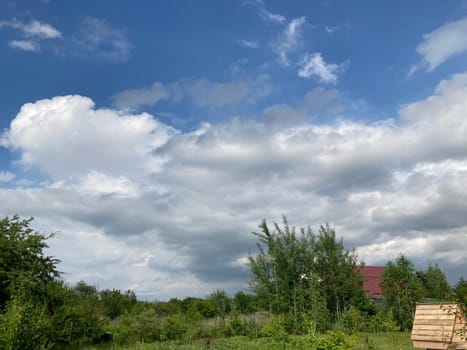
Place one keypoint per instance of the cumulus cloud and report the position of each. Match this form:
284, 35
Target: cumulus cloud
200, 91
67, 137
441, 44
388, 187
314, 66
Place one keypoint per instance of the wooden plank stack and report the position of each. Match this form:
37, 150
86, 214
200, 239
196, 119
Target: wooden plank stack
439, 326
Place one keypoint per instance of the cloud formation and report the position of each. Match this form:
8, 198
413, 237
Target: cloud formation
170, 209
6, 176
313, 66
289, 40
272, 17
98, 39
25, 45
32, 33
251, 44
200, 91
441, 44
67, 138
33, 29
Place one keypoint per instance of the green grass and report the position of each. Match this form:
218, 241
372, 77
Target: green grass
376, 341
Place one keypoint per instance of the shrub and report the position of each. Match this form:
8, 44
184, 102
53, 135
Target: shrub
352, 321
383, 322
334, 341
275, 329
174, 327
24, 326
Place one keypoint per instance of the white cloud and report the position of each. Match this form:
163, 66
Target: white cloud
314, 66
271, 17
441, 44
251, 44
33, 29
289, 40
25, 45
67, 137
34, 32
6, 176
387, 187
98, 39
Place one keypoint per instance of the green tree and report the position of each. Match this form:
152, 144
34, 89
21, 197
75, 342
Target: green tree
301, 273
245, 303
435, 283
460, 293
338, 272
22, 256
116, 302
402, 289
221, 302
284, 258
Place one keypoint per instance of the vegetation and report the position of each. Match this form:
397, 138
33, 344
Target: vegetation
306, 293
304, 275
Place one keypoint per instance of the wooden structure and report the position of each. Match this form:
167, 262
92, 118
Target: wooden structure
439, 326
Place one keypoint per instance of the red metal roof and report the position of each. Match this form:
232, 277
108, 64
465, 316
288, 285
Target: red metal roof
372, 278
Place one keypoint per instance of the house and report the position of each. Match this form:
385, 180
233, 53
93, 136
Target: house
371, 281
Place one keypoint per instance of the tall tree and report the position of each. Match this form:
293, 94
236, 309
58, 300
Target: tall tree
299, 272
460, 293
402, 288
337, 269
276, 271
435, 283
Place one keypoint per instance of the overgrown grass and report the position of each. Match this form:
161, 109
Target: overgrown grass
367, 341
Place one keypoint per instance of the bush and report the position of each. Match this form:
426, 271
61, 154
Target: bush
174, 327
383, 322
352, 321
275, 329
334, 341
24, 326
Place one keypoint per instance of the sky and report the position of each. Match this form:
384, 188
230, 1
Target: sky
154, 136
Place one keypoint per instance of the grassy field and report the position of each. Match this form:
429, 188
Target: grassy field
370, 341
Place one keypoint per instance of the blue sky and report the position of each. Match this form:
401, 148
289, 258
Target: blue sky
155, 135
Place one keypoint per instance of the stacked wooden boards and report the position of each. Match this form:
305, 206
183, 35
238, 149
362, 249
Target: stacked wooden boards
439, 326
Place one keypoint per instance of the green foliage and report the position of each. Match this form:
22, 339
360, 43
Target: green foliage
25, 325
383, 321
300, 273
116, 303
79, 318
460, 293
402, 289
245, 303
337, 269
275, 329
174, 327
435, 283
334, 340
22, 254
353, 321
221, 302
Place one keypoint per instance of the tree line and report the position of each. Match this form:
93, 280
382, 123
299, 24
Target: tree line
301, 282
